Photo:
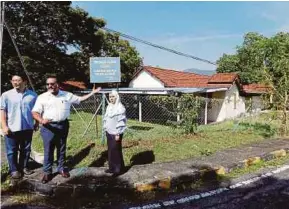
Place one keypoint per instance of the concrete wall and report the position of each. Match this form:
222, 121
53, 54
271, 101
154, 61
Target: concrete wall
145, 80
228, 104
257, 103
215, 105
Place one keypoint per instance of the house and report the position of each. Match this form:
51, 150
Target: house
72, 86
226, 88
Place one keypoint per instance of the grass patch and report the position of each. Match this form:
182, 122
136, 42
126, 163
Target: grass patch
4, 171
164, 143
253, 168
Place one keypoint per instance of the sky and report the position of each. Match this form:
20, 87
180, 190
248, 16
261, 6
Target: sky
202, 29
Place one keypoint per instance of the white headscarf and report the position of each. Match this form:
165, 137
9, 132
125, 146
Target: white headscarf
115, 109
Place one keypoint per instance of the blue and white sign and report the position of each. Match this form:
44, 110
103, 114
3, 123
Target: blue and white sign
104, 69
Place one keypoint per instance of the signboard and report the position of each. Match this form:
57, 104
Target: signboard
104, 69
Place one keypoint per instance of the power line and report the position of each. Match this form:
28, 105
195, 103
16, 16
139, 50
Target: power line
158, 46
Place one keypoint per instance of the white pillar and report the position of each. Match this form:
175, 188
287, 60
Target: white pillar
206, 109
178, 109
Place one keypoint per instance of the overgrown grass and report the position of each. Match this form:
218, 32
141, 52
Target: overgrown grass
163, 143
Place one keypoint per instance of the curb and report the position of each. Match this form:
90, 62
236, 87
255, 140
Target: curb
166, 183
256, 159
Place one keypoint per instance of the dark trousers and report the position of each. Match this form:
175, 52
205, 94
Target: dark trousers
18, 141
115, 158
54, 135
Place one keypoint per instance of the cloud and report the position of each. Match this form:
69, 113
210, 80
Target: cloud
277, 12
284, 28
269, 16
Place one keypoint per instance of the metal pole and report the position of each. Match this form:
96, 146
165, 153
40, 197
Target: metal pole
139, 109
96, 126
103, 113
79, 115
91, 120
95, 102
1, 30
19, 55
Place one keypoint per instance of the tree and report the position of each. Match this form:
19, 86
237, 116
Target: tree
44, 30
276, 71
263, 60
248, 61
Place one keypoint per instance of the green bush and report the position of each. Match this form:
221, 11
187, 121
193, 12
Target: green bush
186, 106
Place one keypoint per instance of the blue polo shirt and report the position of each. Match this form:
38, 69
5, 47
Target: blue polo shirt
18, 107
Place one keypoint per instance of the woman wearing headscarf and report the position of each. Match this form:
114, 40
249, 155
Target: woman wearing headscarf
114, 126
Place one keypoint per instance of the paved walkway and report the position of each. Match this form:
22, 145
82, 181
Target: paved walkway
166, 176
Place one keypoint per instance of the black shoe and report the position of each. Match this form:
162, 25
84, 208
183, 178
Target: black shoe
46, 178
108, 171
27, 171
16, 175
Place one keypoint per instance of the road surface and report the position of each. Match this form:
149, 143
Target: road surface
266, 189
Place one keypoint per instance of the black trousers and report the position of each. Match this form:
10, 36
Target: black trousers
115, 158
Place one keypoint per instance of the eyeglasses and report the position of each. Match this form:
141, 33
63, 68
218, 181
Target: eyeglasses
52, 84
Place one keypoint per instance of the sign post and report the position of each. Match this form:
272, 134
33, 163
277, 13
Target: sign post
104, 70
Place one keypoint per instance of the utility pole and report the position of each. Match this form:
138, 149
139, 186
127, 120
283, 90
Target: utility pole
1, 30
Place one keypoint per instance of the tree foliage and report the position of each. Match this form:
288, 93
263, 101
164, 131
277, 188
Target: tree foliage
263, 60
248, 61
44, 31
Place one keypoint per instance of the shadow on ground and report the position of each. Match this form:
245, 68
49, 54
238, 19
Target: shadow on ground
72, 161
121, 195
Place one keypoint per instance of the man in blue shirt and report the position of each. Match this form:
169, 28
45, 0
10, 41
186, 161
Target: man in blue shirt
17, 125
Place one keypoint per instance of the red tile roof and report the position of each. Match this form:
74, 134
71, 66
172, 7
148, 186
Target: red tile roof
68, 85
255, 88
174, 78
223, 78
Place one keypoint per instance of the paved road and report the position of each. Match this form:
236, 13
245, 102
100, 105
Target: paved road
266, 189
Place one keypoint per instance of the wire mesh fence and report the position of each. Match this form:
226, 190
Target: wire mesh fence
144, 109
141, 108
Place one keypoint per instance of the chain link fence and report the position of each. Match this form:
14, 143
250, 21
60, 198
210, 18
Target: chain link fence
143, 109
140, 108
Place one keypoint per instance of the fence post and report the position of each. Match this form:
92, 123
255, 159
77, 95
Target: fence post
139, 109
103, 113
178, 109
96, 125
206, 109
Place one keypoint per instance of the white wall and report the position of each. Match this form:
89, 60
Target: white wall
257, 103
227, 108
216, 104
145, 80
